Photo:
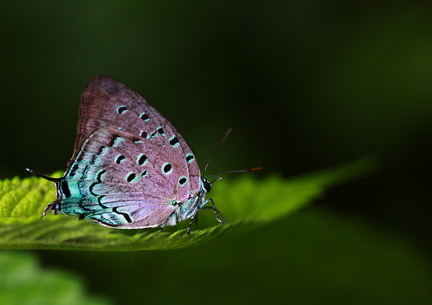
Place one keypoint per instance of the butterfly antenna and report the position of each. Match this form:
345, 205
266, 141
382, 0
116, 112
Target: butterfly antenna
233, 171
217, 149
34, 172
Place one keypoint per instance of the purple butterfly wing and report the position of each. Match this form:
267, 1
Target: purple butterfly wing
106, 102
124, 187
130, 167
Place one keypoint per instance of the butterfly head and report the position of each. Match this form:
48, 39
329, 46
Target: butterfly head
206, 185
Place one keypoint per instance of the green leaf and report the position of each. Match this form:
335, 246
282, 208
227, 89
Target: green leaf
315, 256
247, 203
23, 282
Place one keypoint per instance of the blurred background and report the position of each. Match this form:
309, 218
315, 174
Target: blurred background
305, 85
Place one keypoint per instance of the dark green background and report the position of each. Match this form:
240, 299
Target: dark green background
304, 84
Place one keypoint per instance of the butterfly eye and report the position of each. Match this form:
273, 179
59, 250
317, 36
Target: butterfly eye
206, 185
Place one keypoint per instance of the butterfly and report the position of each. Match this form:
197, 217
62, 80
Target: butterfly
130, 167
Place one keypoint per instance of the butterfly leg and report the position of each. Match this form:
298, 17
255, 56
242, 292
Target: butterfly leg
218, 215
164, 224
192, 221
188, 230
53, 206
